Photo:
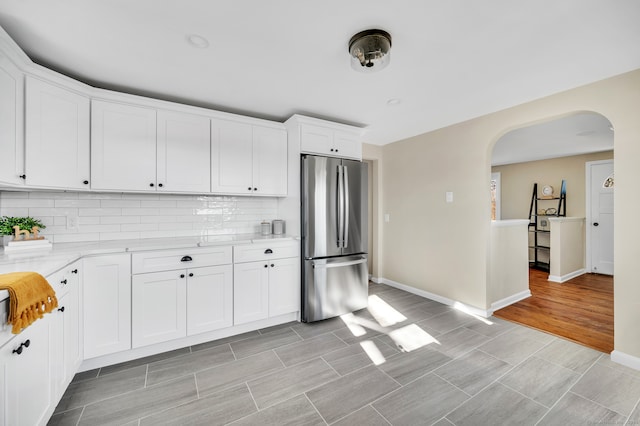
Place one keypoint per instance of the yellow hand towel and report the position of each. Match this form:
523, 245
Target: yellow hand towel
30, 296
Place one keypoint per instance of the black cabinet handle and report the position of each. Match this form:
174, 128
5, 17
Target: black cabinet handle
160, 185
272, 265
181, 275
336, 149
268, 251
186, 259
266, 266
61, 309
22, 176
255, 189
19, 349
75, 271
86, 182
151, 185
331, 149
595, 224
64, 281
190, 274
249, 188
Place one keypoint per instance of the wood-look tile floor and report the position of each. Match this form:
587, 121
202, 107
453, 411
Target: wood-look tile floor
405, 360
580, 309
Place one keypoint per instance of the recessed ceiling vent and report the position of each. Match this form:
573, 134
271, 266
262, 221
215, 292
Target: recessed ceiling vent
370, 50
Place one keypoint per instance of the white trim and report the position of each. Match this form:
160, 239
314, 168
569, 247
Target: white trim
566, 277
376, 280
509, 222
496, 176
625, 359
445, 300
587, 209
510, 300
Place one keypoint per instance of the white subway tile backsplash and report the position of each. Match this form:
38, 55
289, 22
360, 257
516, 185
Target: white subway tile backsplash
77, 203
111, 216
99, 212
119, 203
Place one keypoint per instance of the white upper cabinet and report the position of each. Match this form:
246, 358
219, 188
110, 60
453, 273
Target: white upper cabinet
57, 136
248, 159
269, 161
231, 157
123, 147
321, 137
184, 158
326, 141
11, 122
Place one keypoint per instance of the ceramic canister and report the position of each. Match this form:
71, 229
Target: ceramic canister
265, 228
278, 227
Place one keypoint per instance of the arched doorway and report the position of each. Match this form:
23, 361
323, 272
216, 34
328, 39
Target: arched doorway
547, 154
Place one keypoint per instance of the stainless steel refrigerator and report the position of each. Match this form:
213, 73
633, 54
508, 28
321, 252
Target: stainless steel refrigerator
334, 237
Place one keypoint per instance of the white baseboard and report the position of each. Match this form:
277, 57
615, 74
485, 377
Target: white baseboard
445, 300
626, 359
510, 300
566, 277
376, 280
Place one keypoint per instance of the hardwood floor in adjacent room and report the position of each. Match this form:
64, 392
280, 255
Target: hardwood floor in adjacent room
580, 309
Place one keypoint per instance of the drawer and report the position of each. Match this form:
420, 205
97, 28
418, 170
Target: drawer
64, 279
264, 251
168, 260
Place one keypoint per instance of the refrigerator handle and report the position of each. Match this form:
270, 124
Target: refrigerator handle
345, 175
340, 205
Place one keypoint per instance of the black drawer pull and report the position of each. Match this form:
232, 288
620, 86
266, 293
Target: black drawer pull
186, 259
86, 182
190, 274
64, 281
75, 271
266, 266
268, 251
272, 265
181, 275
19, 349
61, 309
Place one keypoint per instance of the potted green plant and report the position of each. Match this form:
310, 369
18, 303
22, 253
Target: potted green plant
25, 223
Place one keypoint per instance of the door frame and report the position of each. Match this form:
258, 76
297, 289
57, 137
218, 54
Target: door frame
587, 209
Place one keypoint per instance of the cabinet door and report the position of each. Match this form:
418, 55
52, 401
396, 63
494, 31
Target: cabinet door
57, 136
158, 307
316, 139
347, 145
250, 292
184, 157
284, 286
11, 122
28, 381
106, 304
66, 341
269, 161
123, 147
231, 157
209, 299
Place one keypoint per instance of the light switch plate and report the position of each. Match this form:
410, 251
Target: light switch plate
449, 197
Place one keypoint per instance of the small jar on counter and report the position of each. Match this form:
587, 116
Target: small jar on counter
265, 228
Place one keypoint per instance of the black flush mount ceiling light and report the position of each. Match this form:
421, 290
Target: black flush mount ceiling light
369, 50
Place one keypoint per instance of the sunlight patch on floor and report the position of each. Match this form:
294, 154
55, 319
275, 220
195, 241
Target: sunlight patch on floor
384, 313
352, 323
462, 308
411, 337
373, 352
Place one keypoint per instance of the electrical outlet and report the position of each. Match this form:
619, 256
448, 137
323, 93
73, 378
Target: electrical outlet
72, 222
387, 217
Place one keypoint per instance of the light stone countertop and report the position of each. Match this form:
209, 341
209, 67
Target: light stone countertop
48, 261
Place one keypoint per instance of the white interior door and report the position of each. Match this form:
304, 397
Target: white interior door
600, 216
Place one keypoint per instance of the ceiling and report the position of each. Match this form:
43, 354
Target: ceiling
581, 133
450, 61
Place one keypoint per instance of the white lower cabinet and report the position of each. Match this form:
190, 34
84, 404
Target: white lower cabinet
268, 287
168, 305
67, 351
26, 376
251, 292
106, 304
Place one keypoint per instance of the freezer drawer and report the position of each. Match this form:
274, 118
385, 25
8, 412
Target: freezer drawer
334, 286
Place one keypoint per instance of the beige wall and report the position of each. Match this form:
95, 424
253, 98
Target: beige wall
373, 155
567, 247
508, 266
517, 183
442, 247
